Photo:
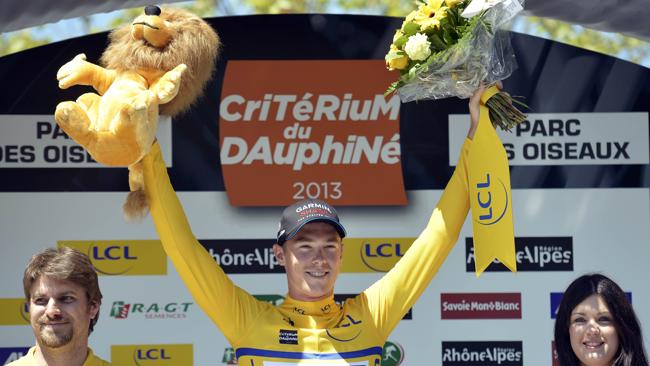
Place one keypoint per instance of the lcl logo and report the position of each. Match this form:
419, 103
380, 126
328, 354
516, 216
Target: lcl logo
381, 256
122, 257
383, 250
151, 354
112, 252
112, 259
487, 215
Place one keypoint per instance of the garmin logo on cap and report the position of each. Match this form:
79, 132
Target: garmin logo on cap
313, 205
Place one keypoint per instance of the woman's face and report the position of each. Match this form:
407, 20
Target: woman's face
594, 339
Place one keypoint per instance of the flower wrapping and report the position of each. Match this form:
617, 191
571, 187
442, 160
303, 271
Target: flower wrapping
440, 53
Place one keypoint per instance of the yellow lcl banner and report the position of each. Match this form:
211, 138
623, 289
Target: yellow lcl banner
152, 354
490, 196
14, 311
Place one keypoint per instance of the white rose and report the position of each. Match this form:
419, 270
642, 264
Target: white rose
417, 47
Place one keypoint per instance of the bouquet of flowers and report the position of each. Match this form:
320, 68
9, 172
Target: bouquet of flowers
448, 47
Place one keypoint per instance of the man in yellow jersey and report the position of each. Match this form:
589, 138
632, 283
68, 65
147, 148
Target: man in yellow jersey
309, 328
63, 296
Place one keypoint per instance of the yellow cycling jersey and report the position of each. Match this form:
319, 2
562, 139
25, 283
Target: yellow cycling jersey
297, 332
30, 360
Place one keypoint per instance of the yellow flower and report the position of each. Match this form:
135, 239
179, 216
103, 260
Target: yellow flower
430, 9
434, 4
397, 63
429, 15
452, 3
411, 16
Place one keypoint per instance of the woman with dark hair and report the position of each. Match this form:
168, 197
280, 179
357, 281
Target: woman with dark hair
596, 325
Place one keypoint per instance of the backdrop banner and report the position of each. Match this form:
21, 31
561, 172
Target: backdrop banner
579, 173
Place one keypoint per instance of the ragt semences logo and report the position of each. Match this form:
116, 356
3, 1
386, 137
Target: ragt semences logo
154, 310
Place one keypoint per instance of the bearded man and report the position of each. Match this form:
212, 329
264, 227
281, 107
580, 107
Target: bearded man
63, 297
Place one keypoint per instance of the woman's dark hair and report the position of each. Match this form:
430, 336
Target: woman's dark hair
630, 350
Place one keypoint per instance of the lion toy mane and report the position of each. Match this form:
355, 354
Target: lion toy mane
158, 64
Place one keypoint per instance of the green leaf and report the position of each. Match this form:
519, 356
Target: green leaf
413, 71
410, 28
437, 43
401, 41
393, 87
451, 18
454, 35
394, 54
446, 21
448, 38
447, 32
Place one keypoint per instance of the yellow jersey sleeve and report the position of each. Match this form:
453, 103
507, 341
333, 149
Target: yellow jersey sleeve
394, 294
232, 309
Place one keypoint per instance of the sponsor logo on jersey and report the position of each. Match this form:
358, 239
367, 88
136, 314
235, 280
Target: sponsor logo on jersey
287, 336
341, 298
347, 330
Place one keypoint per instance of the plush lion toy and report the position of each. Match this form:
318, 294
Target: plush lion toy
159, 63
